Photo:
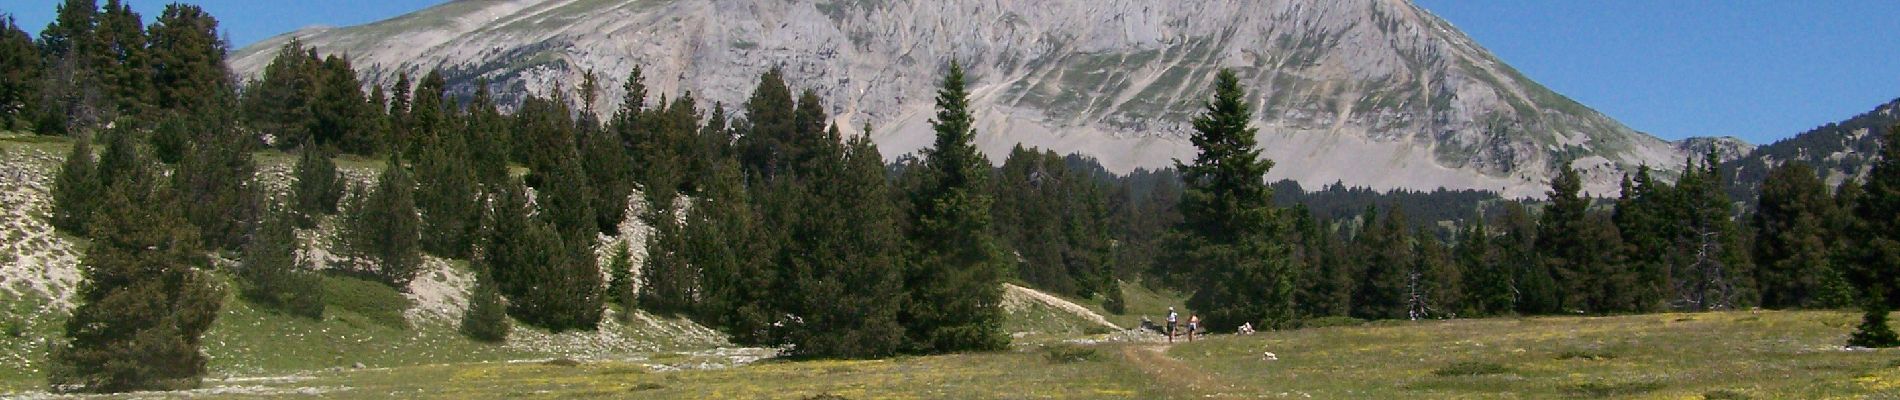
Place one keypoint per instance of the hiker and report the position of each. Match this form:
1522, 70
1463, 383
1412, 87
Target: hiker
1172, 318
1194, 323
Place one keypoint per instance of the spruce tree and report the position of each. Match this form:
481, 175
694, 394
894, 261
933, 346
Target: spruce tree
339, 115
270, 273
71, 98
77, 189
121, 59
1387, 258
143, 306
955, 273
1435, 283
1488, 277
1714, 270
1230, 240
548, 282
622, 288
448, 198
20, 71
216, 182
318, 187
726, 241
1534, 288
278, 105
382, 229
610, 173
667, 281
187, 59
1874, 331
1559, 240
486, 319
851, 251
1793, 243
1643, 217
1878, 228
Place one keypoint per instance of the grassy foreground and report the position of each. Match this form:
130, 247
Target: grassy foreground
1731, 355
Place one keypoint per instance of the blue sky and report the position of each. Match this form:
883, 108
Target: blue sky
1758, 69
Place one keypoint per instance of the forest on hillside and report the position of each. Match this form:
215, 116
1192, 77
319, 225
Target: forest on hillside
776, 229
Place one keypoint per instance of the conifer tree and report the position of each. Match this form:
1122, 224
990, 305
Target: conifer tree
1435, 282
1534, 290
622, 288
1559, 246
216, 182
488, 138
1874, 331
1643, 220
187, 60
667, 281
847, 257
726, 241
448, 198
318, 187
339, 114
770, 126
77, 189
144, 306
547, 281
486, 319
1878, 209
955, 273
1488, 277
121, 59
71, 98
20, 70
279, 104
1714, 272
1793, 243
1387, 258
1230, 240
382, 228
270, 273
610, 173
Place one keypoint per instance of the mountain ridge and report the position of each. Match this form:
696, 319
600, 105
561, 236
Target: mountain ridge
1378, 93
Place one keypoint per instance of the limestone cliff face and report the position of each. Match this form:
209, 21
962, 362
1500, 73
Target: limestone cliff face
1372, 92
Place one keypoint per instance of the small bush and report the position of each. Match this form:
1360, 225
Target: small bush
14, 330
1471, 368
1873, 331
1588, 355
1613, 389
1323, 322
826, 396
371, 299
1113, 302
562, 362
646, 386
1068, 353
1724, 395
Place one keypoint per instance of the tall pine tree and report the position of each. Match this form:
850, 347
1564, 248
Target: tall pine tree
144, 305
955, 271
1230, 240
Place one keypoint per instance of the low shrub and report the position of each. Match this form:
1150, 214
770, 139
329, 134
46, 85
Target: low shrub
1069, 353
1471, 368
1724, 395
1613, 389
1589, 355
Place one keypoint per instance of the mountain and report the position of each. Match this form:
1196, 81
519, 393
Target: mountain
1378, 93
1839, 151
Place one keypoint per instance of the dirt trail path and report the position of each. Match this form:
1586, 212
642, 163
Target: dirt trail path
1058, 303
1180, 377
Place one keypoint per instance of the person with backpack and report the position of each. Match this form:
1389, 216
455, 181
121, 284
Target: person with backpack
1172, 319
